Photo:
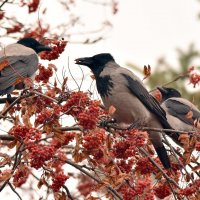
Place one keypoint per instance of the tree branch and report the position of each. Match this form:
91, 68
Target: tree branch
110, 189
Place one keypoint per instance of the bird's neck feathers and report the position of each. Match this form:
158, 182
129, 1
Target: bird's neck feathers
106, 69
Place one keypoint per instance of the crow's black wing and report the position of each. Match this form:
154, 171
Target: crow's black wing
149, 101
182, 111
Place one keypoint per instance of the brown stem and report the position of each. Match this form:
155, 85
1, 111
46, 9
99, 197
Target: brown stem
155, 164
110, 189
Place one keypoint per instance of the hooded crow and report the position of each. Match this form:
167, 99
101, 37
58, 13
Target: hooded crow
181, 114
122, 89
19, 61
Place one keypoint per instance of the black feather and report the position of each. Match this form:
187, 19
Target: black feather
149, 102
104, 85
180, 110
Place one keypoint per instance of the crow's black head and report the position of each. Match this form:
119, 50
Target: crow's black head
34, 44
96, 63
168, 93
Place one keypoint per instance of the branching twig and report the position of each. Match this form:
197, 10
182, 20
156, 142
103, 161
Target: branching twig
68, 192
4, 2
155, 164
110, 189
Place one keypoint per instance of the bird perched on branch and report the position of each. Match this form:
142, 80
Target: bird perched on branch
122, 89
17, 62
181, 114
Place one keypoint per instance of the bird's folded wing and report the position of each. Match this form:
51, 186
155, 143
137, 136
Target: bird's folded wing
18, 68
149, 102
182, 111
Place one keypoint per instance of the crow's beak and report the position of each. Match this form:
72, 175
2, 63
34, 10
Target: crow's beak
162, 90
87, 61
42, 47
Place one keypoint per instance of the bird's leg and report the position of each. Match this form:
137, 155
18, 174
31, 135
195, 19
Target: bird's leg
104, 122
9, 98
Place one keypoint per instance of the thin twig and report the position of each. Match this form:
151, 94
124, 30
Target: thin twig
68, 192
6, 1
110, 189
13, 189
161, 170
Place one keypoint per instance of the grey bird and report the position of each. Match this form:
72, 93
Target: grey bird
181, 114
122, 89
19, 61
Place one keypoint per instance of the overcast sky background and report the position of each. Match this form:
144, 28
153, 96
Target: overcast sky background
143, 31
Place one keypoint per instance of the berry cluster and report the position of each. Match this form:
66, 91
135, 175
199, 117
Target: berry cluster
194, 77
14, 29
76, 103
33, 6
88, 118
44, 73
144, 166
58, 47
141, 190
63, 139
162, 190
138, 137
85, 187
190, 190
58, 181
26, 134
40, 153
21, 175
94, 140
1, 15
125, 165
37, 33
48, 115
124, 149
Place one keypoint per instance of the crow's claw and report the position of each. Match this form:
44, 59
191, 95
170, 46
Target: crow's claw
104, 123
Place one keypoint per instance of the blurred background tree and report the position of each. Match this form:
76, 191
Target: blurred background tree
164, 74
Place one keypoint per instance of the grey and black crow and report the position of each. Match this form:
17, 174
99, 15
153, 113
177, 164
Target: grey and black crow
181, 114
19, 61
122, 89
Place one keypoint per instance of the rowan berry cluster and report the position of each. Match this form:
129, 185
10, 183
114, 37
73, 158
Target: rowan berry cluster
48, 115
58, 181
124, 149
44, 73
190, 190
26, 134
58, 46
138, 137
21, 175
64, 139
140, 189
144, 166
1, 15
194, 77
16, 28
37, 33
125, 165
76, 103
88, 118
39, 154
33, 6
162, 190
85, 187
94, 140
